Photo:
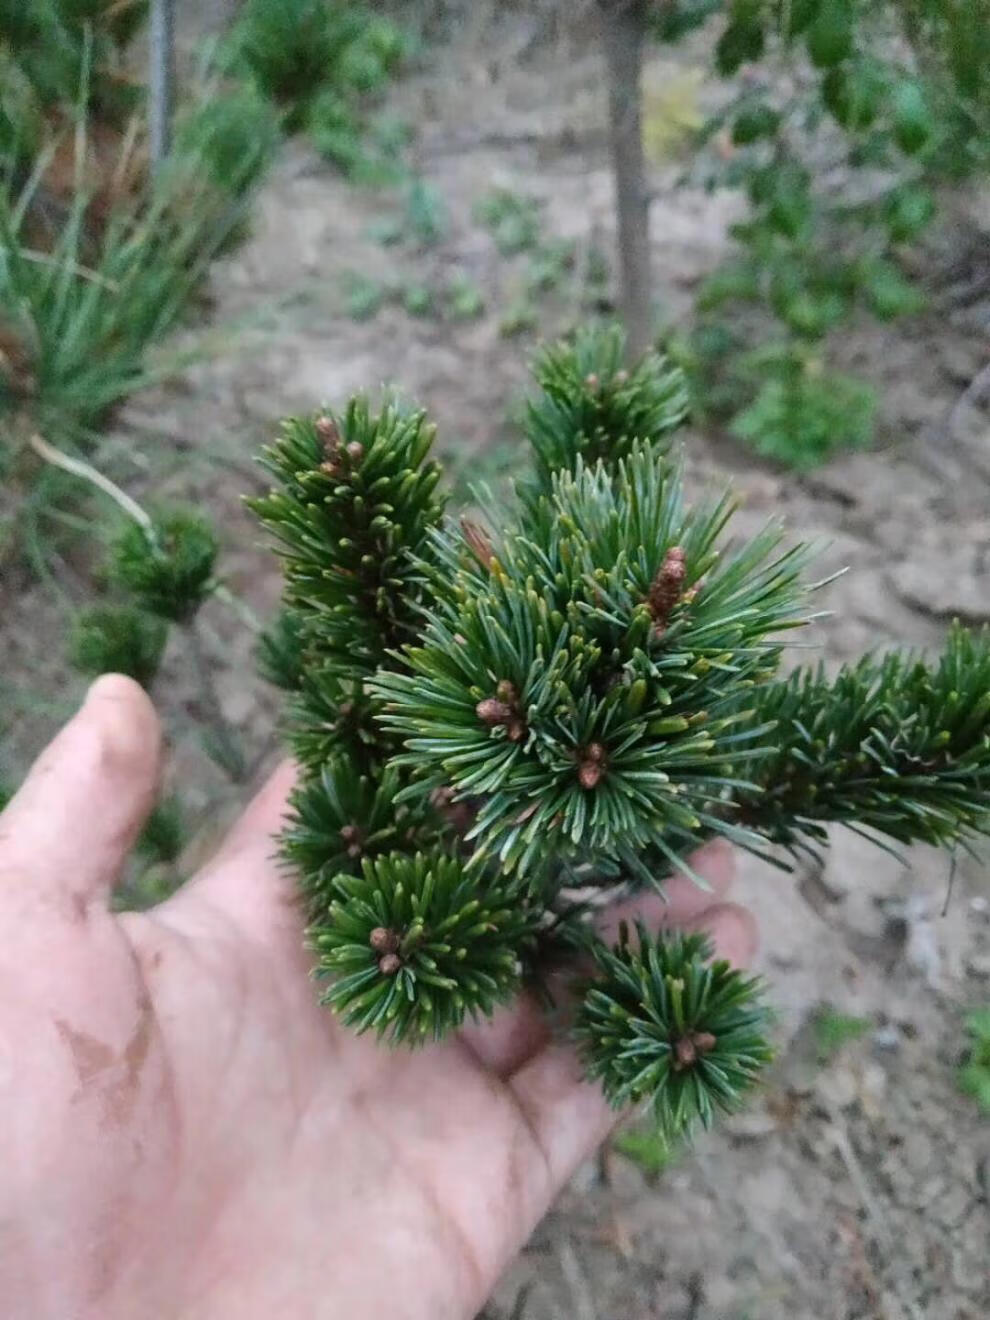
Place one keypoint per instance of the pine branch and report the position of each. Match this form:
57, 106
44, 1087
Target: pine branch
356, 499
545, 687
501, 730
662, 1021
892, 745
340, 819
414, 945
591, 407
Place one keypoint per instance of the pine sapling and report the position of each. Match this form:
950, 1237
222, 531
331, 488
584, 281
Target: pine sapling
502, 729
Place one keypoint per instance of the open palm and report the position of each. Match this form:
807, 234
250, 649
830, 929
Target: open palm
186, 1134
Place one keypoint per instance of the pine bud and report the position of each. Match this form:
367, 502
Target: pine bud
591, 381
685, 1053
594, 752
667, 587
516, 731
589, 773
492, 711
383, 940
506, 691
355, 451
621, 377
328, 434
688, 1048
390, 964
477, 541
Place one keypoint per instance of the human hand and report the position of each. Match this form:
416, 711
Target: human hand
187, 1135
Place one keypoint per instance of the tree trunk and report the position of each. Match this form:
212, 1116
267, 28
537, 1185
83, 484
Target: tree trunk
161, 80
623, 26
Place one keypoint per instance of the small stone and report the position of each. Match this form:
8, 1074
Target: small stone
887, 1039
390, 964
752, 1126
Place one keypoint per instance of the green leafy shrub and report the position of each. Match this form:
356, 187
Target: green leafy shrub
501, 730
890, 114
801, 417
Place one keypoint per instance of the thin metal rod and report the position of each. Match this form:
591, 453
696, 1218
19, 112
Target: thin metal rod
161, 80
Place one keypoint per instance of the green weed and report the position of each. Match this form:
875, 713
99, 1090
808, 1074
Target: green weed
974, 1075
647, 1146
833, 1030
519, 317
417, 299
512, 219
550, 265
802, 416
463, 298
363, 295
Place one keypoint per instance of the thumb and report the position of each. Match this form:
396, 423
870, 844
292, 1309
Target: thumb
66, 834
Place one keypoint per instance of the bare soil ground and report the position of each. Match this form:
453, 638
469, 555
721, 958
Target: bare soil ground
856, 1186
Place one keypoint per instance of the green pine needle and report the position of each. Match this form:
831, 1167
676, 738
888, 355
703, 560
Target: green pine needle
663, 1022
413, 945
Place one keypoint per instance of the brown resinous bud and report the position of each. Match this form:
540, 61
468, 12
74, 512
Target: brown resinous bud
591, 764
383, 940
478, 542
688, 1048
667, 587
503, 709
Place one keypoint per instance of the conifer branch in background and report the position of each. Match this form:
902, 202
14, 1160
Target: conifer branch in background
502, 729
